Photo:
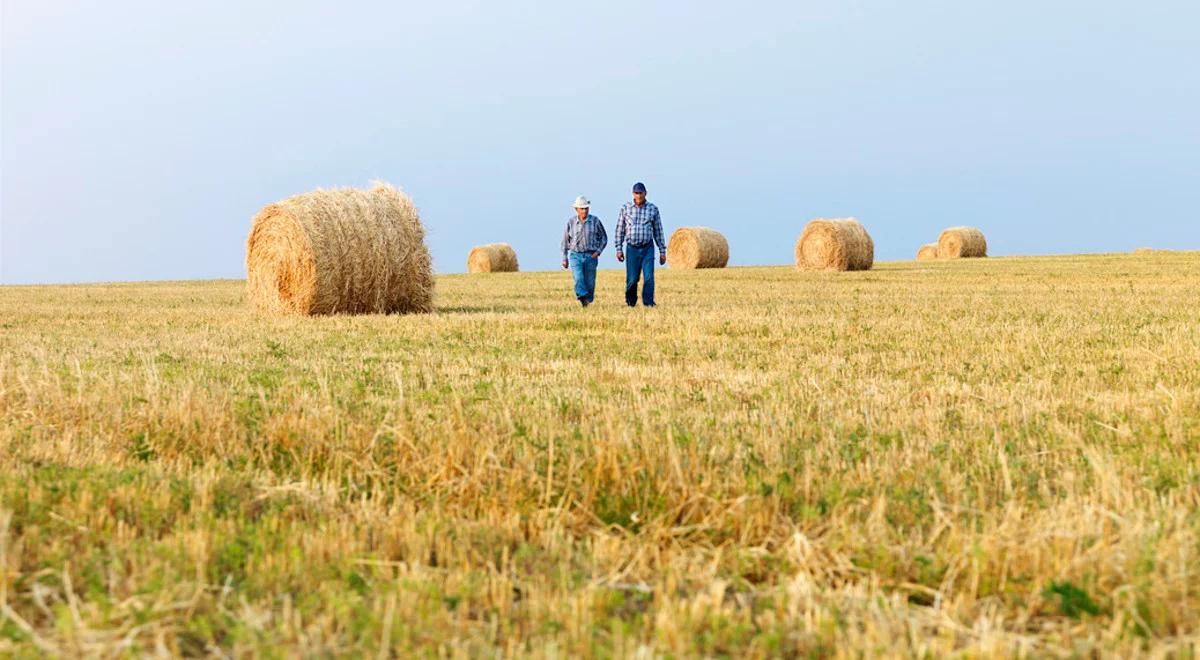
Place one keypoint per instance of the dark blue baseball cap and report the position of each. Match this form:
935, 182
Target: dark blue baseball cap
639, 187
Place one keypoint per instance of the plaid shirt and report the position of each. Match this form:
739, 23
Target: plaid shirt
587, 236
638, 225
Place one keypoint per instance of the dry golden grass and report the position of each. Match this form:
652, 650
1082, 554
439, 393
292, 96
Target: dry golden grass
981, 456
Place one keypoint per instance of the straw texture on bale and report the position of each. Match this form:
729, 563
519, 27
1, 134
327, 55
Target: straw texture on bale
835, 244
492, 258
343, 251
697, 247
927, 251
958, 242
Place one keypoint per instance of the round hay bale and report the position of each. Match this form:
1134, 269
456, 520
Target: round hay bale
492, 258
697, 247
1144, 250
835, 244
958, 242
927, 252
343, 251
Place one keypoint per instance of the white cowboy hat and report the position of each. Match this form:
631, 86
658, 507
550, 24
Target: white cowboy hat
582, 202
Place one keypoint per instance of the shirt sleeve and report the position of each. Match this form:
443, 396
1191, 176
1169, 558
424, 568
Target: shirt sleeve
603, 235
619, 240
658, 232
566, 237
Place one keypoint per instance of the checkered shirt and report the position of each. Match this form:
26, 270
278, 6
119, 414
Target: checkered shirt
587, 236
638, 225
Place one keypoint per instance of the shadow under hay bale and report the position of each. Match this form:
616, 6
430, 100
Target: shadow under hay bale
927, 252
343, 251
492, 258
957, 242
697, 247
835, 244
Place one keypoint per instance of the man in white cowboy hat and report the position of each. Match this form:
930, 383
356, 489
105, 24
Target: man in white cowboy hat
583, 241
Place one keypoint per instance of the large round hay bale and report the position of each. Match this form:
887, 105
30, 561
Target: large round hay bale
492, 258
927, 251
697, 247
835, 244
958, 242
343, 251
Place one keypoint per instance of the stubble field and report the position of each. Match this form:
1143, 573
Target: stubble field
994, 457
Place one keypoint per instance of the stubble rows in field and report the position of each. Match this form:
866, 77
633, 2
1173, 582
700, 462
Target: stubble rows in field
989, 455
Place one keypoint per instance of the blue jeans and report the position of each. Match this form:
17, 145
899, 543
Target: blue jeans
639, 261
583, 267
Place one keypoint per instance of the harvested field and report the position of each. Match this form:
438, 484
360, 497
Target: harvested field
985, 457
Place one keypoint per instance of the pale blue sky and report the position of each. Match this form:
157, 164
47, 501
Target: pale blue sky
138, 139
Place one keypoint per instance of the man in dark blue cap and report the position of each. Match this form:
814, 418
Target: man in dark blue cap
639, 228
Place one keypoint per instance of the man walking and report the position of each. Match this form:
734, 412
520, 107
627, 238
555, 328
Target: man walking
582, 243
640, 226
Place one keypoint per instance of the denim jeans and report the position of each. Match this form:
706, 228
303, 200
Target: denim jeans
583, 267
639, 261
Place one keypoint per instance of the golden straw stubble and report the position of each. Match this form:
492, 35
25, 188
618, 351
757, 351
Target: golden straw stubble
342, 251
956, 242
697, 247
835, 244
492, 258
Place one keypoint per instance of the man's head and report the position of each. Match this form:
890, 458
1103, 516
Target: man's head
581, 207
639, 193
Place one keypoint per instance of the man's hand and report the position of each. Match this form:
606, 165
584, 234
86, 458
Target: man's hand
620, 256
595, 255
564, 263
662, 259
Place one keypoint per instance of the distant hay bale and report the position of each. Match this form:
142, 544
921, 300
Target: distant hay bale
958, 242
342, 251
492, 258
927, 251
697, 247
1144, 250
835, 244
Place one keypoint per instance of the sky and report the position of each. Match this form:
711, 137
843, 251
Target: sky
138, 139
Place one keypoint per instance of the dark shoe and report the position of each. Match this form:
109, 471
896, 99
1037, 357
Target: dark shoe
583, 302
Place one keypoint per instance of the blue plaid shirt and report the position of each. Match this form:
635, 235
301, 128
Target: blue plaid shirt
587, 236
638, 225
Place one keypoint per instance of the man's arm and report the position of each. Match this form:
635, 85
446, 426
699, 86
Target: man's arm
619, 240
658, 234
566, 239
603, 237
